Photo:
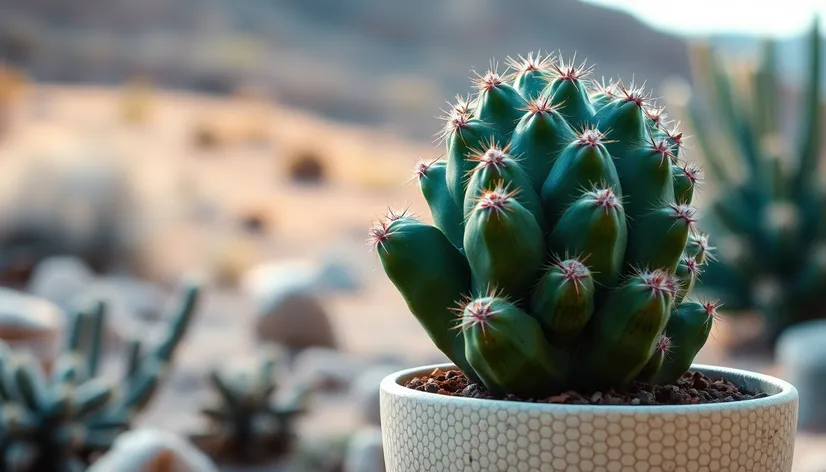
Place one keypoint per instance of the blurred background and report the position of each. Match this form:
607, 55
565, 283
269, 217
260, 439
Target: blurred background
251, 143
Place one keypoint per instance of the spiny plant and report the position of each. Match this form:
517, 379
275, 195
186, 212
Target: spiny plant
564, 236
247, 424
769, 206
60, 420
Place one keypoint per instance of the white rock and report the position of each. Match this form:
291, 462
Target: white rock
148, 450
59, 279
31, 324
365, 452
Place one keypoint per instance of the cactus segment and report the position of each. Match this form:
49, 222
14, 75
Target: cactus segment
698, 248
625, 330
496, 168
624, 117
538, 138
688, 328
603, 94
657, 240
688, 270
504, 244
594, 227
563, 302
583, 164
531, 75
447, 215
431, 275
498, 104
569, 93
465, 135
508, 350
655, 363
685, 180
647, 170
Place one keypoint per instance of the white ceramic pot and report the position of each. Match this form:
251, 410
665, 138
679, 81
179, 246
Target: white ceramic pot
427, 432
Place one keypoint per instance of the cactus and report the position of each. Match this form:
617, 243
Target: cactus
247, 425
564, 236
57, 421
768, 208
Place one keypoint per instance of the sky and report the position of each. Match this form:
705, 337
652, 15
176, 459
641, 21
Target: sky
780, 18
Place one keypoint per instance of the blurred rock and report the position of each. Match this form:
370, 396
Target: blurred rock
148, 450
365, 452
30, 324
333, 274
59, 279
143, 299
337, 274
306, 167
801, 354
330, 369
324, 455
82, 203
70, 284
365, 392
293, 316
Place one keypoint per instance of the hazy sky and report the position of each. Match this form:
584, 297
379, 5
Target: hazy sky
775, 17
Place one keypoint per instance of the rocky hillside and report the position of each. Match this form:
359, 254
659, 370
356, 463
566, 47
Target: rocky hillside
386, 63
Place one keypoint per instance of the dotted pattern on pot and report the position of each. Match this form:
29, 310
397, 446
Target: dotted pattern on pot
431, 433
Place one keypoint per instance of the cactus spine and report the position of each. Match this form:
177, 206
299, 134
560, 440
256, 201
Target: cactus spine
578, 240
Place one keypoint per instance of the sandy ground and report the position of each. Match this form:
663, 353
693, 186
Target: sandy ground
191, 201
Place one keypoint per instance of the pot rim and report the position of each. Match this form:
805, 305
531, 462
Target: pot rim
393, 385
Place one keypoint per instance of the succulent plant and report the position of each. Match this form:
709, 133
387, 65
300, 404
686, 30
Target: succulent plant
247, 424
769, 205
58, 421
564, 236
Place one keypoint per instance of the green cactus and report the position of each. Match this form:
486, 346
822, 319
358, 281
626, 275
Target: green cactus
247, 425
768, 207
578, 240
57, 421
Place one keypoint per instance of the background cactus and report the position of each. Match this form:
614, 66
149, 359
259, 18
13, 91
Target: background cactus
247, 424
564, 236
768, 211
57, 421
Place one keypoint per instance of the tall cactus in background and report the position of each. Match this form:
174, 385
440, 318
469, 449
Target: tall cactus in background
564, 238
770, 211
56, 421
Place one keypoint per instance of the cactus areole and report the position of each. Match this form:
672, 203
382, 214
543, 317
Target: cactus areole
564, 244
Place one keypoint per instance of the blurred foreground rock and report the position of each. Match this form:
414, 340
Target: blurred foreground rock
148, 450
30, 324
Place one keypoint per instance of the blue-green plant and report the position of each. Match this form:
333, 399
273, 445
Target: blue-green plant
58, 421
564, 236
246, 422
769, 210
